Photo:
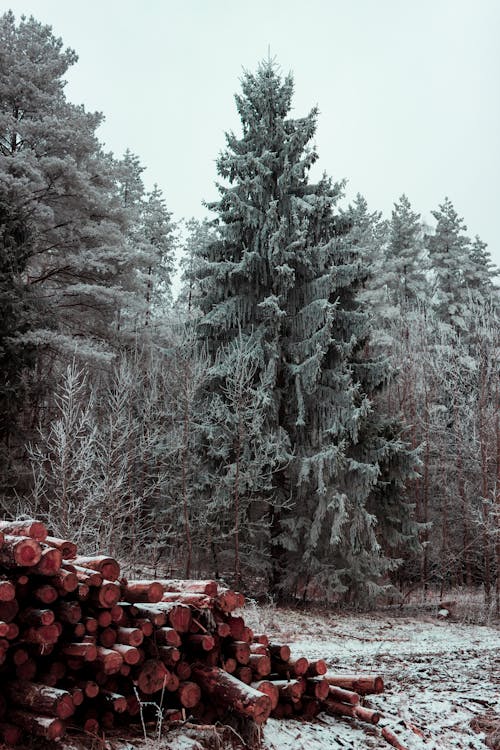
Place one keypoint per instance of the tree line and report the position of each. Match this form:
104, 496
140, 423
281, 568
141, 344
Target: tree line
315, 414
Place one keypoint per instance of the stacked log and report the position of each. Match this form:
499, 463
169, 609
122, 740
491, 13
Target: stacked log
80, 643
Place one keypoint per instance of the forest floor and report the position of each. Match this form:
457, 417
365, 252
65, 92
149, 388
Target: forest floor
442, 682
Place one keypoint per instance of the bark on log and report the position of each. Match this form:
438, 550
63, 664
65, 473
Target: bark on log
279, 651
142, 591
189, 694
268, 688
239, 650
392, 739
108, 566
41, 726
232, 694
19, 551
46, 594
344, 696
362, 684
29, 527
317, 687
46, 700
134, 636
291, 668
316, 668
166, 637
50, 562
210, 588
110, 661
7, 590
290, 689
152, 676
130, 654
260, 664
67, 548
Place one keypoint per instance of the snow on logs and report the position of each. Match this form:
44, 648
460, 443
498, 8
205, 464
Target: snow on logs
79, 643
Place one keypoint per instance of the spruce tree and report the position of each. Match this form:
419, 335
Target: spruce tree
404, 265
285, 272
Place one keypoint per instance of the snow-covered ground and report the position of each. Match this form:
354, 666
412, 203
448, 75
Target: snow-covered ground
439, 675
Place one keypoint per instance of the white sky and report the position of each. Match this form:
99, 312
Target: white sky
408, 90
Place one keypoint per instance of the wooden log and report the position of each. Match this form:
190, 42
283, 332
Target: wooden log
207, 587
316, 668
228, 600
19, 551
88, 576
222, 629
239, 650
104, 618
26, 671
45, 594
108, 660
167, 637
344, 696
65, 581
43, 635
247, 635
236, 627
28, 527
67, 548
345, 709
202, 642
245, 674
183, 670
291, 668
233, 694
91, 625
115, 701
169, 655
7, 590
45, 700
79, 630
50, 562
109, 567
35, 616
361, 684
189, 694
279, 651
200, 601
90, 688
310, 707
142, 591
8, 610
68, 612
146, 626
259, 648
392, 739
51, 728
263, 639
133, 636
130, 654
178, 615
268, 688
291, 690
106, 595
317, 687
4, 629
260, 665
107, 637
85, 651
133, 705
152, 676
367, 714
151, 612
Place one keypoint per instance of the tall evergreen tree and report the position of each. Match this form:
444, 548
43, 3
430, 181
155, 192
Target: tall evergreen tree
404, 264
283, 273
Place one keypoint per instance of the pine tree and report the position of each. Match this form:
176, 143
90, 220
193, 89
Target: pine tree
282, 273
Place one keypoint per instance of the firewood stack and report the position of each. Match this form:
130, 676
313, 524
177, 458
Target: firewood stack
82, 647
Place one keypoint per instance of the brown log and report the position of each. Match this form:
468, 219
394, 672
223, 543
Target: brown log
239, 650
79, 630
8, 610
89, 687
68, 612
344, 709
67, 548
46, 700
222, 629
109, 567
291, 668
109, 660
85, 651
34, 616
29, 527
77, 695
268, 688
178, 615
189, 694
316, 668
107, 637
91, 625
26, 671
317, 687
7, 590
91, 726
4, 629
133, 705
210, 588
236, 626
247, 635
259, 648
260, 664
263, 639
132, 636
202, 642
130, 654
87, 575
279, 651
167, 637
142, 591
169, 655
190, 599
291, 690
344, 696
19, 551
146, 626
244, 674
104, 618
41, 726
43, 635
65, 581
46, 594
362, 684
232, 694
106, 595
183, 670
392, 739
230, 665
152, 676
366, 714
311, 707
152, 612
10, 734
115, 701
228, 600
49, 563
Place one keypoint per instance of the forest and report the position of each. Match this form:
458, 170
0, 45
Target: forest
312, 414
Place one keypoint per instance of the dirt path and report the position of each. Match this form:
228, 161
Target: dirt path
438, 675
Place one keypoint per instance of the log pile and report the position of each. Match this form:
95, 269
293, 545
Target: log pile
82, 647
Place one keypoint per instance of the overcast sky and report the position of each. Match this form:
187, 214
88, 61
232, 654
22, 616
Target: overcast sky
408, 90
